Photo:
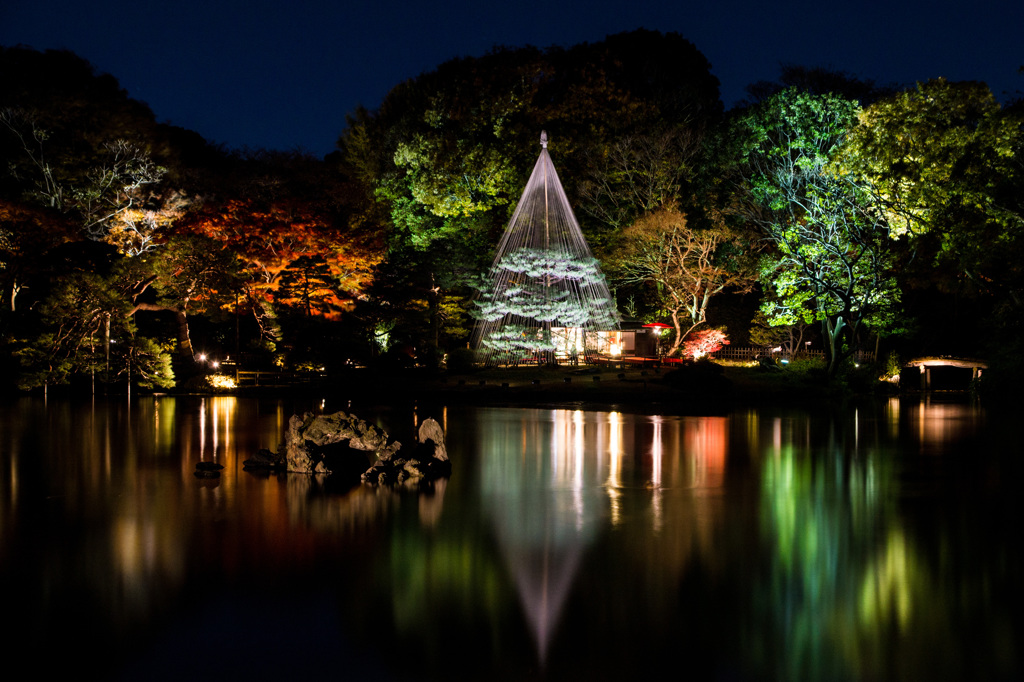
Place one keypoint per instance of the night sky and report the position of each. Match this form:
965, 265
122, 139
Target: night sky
283, 74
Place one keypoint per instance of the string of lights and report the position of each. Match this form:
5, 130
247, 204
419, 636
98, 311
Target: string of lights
545, 290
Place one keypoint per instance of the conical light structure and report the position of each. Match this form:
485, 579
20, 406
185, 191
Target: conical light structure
545, 290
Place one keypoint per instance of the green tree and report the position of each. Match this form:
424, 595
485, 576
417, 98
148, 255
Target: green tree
946, 163
543, 292
832, 260
790, 338
442, 161
141, 361
85, 328
76, 319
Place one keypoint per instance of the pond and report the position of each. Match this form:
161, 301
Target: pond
876, 541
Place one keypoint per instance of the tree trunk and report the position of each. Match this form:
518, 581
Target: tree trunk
678, 341
833, 335
184, 341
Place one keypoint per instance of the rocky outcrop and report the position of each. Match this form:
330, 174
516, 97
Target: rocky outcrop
343, 444
426, 462
322, 443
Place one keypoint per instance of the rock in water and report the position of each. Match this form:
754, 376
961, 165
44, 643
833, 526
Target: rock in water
428, 461
265, 459
209, 466
309, 435
342, 444
430, 430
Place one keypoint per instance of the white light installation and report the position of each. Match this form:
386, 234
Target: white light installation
545, 291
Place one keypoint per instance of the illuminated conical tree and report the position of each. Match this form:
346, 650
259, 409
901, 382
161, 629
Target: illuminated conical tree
545, 290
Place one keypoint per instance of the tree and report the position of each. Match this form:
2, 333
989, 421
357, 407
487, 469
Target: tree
687, 266
638, 174
267, 234
457, 141
704, 342
27, 233
85, 328
98, 192
142, 361
946, 163
73, 333
544, 291
832, 260
447, 153
308, 283
788, 338
188, 274
818, 81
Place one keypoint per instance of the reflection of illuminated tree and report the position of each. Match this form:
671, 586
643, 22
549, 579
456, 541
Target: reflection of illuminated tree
851, 592
821, 516
544, 510
451, 585
551, 479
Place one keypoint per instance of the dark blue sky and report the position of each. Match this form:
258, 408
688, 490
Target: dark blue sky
283, 74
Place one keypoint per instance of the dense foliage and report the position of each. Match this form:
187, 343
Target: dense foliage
831, 260
126, 243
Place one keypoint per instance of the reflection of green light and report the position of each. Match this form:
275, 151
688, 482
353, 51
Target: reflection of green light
821, 512
432, 577
886, 594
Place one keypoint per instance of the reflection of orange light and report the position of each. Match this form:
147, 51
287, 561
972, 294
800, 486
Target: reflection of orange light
615, 453
656, 453
706, 440
941, 422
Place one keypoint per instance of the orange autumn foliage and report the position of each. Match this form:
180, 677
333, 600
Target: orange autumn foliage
268, 236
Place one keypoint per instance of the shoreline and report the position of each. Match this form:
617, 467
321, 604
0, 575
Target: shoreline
591, 388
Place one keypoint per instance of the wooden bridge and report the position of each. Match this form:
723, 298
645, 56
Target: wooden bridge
926, 364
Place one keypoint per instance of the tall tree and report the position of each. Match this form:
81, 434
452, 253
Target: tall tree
267, 234
947, 164
447, 153
308, 283
188, 274
817, 80
832, 260
76, 143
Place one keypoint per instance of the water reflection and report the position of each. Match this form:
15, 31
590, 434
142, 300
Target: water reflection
553, 479
867, 543
854, 589
821, 517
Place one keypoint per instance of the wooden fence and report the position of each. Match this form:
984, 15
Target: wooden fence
269, 378
749, 353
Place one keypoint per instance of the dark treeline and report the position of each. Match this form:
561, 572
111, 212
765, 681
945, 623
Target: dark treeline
825, 208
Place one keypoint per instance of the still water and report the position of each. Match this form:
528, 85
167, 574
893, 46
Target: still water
869, 542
